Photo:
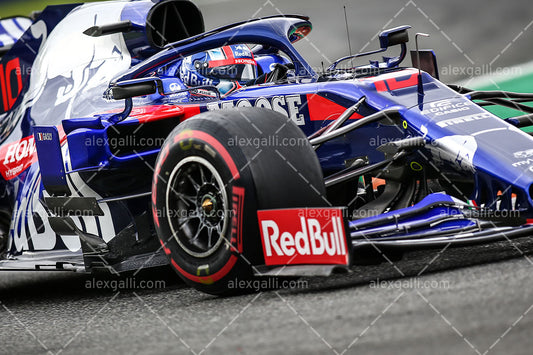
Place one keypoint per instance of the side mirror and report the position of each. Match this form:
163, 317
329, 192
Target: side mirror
428, 61
387, 38
128, 89
132, 88
394, 36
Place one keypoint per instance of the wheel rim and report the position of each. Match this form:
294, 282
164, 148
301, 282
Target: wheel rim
197, 206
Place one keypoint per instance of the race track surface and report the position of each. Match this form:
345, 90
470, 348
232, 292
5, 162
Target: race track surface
474, 300
483, 308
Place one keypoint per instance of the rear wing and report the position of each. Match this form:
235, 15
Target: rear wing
11, 29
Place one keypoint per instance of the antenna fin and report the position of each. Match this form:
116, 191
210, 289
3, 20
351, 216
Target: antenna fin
347, 30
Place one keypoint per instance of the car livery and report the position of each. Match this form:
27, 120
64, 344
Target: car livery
113, 156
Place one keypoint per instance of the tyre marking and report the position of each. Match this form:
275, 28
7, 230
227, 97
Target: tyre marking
236, 221
213, 143
204, 269
207, 280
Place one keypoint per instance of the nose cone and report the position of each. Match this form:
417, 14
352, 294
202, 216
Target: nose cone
470, 140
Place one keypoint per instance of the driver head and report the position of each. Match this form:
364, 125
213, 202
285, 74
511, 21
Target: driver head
226, 67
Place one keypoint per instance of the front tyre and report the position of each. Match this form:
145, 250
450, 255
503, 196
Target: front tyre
210, 180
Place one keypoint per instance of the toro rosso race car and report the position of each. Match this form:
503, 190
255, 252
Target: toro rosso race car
132, 138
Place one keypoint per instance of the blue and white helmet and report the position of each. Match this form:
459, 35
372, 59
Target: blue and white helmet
227, 68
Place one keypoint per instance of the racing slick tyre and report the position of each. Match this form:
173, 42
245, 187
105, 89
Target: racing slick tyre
213, 173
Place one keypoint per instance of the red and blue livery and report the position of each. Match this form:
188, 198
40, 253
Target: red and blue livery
132, 138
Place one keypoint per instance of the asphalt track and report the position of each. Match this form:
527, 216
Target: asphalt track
466, 301
374, 310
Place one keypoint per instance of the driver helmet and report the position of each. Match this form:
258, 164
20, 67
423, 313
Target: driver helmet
227, 68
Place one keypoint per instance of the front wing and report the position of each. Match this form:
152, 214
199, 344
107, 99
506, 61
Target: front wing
315, 241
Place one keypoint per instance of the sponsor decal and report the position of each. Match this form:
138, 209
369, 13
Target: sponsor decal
523, 154
528, 161
314, 107
242, 47
464, 119
17, 157
245, 61
289, 105
44, 136
242, 50
446, 107
303, 236
194, 80
204, 92
174, 87
236, 220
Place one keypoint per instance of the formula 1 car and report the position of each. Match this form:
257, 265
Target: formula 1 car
115, 156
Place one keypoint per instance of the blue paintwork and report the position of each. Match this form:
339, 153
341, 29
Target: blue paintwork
389, 218
48, 147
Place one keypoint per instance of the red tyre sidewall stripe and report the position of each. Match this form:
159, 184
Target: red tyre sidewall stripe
165, 249
207, 279
214, 143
